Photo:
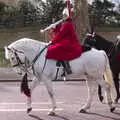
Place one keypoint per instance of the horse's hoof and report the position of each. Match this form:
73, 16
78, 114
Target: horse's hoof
51, 113
112, 109
116, 101
29, 110
101, 98
82, 111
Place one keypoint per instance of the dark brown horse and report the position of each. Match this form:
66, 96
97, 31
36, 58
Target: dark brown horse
113, 51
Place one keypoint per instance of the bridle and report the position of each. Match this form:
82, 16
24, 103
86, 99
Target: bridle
110, 50
24, 65
91, 35
19, 62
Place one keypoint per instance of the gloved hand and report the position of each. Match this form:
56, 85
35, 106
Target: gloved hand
50, 42
41, 31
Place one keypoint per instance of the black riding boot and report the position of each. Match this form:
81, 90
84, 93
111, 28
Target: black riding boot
66, 67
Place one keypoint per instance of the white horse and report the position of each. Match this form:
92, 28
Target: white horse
92, 64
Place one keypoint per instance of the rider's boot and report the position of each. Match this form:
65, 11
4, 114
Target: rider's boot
67, 67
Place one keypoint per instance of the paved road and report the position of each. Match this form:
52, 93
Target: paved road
70, 97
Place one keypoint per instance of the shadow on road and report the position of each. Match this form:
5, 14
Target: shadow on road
57, 116
36, 117
105, 116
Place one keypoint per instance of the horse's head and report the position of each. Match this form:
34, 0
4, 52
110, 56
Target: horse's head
90, 39
17, 59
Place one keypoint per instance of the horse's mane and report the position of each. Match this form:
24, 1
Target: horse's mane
29, 46
26, 41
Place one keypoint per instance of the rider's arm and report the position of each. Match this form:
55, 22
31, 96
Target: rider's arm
64, 30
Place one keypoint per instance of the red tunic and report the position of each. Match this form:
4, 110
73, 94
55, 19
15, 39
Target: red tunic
65, 45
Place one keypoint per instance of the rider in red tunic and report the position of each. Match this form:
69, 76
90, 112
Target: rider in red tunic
65, 44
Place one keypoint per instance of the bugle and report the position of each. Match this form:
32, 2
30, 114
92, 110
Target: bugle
53, 25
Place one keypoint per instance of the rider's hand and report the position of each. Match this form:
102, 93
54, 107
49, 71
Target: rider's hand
50, 42
41, 31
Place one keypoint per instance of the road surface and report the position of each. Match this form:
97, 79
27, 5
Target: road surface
70, 97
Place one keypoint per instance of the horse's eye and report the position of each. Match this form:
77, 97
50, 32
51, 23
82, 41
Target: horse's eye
12, 58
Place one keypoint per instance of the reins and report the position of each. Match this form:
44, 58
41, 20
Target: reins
110, 50
35, 59
37, 56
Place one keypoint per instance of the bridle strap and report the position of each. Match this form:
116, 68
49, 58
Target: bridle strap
35, 59
19, 62
113, 47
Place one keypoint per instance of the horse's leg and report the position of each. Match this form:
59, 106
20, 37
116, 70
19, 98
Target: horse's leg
109, 98
33, 85
100, 93
91, 84
108, 88
48, 84
116, 83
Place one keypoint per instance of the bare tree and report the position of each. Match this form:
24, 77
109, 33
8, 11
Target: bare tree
81, 18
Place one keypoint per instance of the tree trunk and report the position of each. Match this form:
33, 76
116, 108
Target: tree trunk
81, 18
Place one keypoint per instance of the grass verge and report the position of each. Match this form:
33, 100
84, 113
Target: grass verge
3, 61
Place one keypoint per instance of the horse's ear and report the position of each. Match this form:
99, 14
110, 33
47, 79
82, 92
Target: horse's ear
7, 52
92, 30
7, 48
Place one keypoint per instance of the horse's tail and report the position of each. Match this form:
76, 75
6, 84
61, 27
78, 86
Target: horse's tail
108, 77
108, 73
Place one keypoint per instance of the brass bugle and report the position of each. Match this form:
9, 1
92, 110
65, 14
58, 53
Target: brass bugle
53, 25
